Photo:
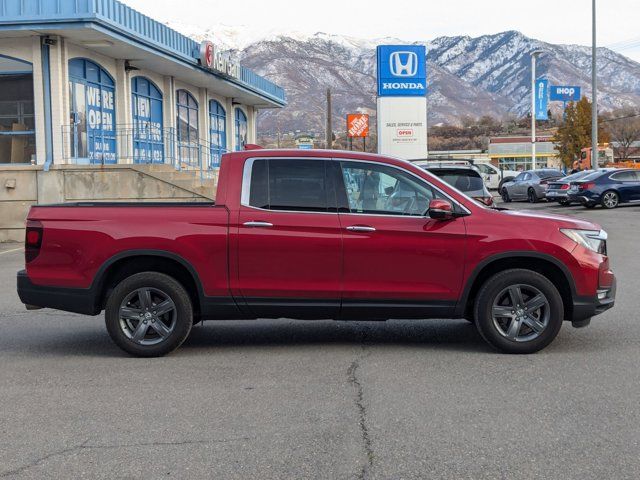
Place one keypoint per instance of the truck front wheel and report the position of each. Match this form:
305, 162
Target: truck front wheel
149, 314
518, 311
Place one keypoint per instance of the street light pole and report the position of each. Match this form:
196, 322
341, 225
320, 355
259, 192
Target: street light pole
594, 90
534, 56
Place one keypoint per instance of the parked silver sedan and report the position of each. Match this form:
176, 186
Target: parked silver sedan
530, 185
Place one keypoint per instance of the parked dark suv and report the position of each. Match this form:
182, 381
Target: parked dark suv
609, 189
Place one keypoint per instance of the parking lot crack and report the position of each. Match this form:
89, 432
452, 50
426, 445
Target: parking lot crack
356, 382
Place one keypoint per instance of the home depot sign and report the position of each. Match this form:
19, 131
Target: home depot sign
357, 125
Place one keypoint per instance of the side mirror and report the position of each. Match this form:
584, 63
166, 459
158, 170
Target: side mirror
440, 210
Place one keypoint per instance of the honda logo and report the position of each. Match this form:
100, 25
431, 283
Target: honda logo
403, 64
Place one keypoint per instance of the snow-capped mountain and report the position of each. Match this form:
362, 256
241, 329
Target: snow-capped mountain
487, 75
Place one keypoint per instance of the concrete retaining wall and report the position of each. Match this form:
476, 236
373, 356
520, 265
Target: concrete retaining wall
23, 186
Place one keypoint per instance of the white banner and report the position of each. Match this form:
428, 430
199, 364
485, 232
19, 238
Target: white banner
402, 127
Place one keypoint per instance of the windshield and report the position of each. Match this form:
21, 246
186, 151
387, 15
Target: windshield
576, 176
549, 173
592, 176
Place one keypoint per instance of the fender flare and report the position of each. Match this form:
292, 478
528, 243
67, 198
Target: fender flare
98, 280
464, 298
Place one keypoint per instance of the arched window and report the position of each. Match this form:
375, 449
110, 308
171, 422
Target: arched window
17, 120
241, 129
92, 103
217, 131
187, 123
148, 141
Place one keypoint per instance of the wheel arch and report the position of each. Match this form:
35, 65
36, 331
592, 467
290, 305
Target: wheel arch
541, 263
130, 262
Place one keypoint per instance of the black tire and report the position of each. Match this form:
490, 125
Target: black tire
531, 196
589, 205
564, 203
176, 323
610, 199
492, 290
505, 196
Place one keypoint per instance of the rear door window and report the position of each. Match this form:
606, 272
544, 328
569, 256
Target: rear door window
463, 180
290, 184
625, 177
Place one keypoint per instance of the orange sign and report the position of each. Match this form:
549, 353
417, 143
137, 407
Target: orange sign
357, 125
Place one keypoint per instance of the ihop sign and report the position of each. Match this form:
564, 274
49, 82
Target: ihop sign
564, 93
402, 70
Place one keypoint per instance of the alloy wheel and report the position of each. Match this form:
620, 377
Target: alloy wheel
147, 316
610, 199
520, 312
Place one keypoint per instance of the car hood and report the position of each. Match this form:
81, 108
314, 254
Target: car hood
563, 221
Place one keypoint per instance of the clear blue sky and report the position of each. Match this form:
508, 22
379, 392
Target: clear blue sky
556, 21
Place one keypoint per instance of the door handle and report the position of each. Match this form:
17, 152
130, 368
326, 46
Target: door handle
255, 224
361, 228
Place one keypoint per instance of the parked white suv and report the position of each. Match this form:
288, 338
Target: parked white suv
492, 175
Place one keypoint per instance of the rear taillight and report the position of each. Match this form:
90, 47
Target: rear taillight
586, 186
32, 240
565, 186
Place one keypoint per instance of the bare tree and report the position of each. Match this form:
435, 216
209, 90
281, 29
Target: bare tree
624, 128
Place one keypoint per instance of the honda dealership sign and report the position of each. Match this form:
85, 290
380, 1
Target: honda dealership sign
402, 101
402, 70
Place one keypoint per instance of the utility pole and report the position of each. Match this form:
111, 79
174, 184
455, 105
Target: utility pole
328, 128
594, 89
534, 56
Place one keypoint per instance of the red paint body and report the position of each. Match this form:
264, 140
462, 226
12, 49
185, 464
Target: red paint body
308, 255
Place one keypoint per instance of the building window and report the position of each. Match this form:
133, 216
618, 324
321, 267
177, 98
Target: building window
148, 141
241, 130
217, 131
92, 129
187, 123
17, 122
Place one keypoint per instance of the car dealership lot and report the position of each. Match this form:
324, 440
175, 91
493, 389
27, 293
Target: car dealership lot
292, 399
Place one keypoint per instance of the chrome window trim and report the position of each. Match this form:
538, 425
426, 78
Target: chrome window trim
617, 174
246, 187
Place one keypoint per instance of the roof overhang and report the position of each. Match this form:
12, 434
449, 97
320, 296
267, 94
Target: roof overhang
102, 38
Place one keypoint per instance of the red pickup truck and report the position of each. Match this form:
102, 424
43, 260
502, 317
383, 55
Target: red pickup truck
316, 235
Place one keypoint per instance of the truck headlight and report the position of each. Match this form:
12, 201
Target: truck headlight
594, 240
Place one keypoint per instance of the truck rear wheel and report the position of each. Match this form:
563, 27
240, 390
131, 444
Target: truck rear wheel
149, 314
518, 311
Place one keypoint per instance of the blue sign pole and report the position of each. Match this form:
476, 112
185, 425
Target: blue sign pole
542, 99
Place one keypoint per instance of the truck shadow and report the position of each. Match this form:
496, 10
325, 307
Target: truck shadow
442, 334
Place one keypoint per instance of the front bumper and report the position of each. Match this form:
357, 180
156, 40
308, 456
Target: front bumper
77, 300
587, 307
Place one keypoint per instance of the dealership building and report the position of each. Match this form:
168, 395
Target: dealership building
95, 82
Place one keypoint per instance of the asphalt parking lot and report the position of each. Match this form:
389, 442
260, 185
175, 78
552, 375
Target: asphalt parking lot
290, 399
